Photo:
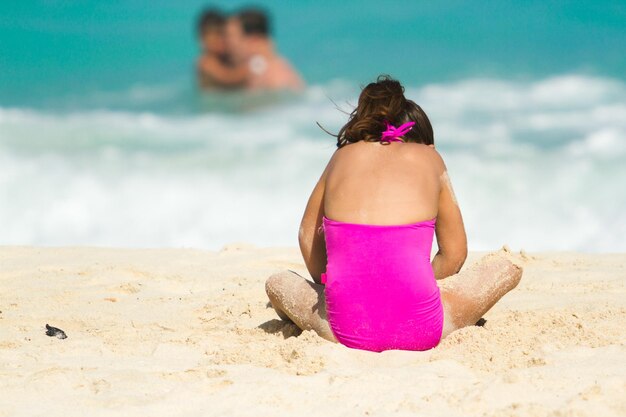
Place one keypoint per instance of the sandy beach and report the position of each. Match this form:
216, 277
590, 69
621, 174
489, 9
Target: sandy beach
189, 332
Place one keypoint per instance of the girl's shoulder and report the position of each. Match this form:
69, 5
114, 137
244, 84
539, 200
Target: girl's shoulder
424, 155
434, 156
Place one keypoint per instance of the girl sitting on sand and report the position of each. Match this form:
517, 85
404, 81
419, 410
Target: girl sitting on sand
367, 232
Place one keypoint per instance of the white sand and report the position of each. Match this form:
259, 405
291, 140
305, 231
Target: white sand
188, 332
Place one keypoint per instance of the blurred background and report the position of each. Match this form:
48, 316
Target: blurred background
105, 139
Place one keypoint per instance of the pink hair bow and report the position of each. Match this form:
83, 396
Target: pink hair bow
393, 133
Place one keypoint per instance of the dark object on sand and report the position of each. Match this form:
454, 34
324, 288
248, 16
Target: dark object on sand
54, 332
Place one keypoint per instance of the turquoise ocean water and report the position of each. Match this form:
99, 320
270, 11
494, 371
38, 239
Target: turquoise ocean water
105, 141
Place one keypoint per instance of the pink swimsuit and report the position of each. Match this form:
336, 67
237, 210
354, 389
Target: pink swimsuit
380, 288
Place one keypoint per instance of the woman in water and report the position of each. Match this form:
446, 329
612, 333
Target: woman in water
367, 232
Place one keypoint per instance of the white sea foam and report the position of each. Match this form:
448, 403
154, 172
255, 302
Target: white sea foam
538, 165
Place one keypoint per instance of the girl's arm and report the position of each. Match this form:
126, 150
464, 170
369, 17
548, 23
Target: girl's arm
311, 236
450, 231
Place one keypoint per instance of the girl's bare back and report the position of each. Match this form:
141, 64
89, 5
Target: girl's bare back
384, 184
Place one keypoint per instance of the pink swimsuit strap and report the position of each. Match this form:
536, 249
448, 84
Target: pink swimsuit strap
428, 222
393, 134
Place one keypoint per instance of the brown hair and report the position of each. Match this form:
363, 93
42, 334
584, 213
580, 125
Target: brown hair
383, 101
210, 19
254, 21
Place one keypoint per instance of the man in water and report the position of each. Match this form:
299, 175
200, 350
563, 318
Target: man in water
211, 26
255, 63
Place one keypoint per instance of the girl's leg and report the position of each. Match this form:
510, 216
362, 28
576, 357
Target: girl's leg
469, 294
300, 300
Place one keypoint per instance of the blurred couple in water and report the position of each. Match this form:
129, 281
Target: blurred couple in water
238, 53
